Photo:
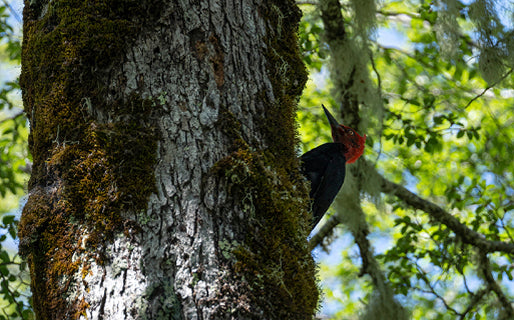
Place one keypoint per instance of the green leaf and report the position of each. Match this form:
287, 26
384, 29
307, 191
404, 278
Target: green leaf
8, 219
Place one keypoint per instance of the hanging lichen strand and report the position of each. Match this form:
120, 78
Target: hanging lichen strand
358, 97
359, 100
447, 27
365, 17
490, 62
494, 42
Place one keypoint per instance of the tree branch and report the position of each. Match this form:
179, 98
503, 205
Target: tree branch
493, 285
299, 2
324, 231
369, 264
467, 235
411, 15
332, 20
360, 233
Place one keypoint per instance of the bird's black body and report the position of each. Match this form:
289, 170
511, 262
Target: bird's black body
324, 167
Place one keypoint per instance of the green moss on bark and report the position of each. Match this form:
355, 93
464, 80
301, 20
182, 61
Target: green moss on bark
86, 172
288, 76
274, 258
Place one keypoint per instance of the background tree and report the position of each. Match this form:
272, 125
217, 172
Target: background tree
435, 194
165, 183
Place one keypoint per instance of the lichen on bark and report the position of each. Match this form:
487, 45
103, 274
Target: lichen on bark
224, 234
274, 256
84, 166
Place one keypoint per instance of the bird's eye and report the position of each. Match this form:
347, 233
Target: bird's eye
350, 132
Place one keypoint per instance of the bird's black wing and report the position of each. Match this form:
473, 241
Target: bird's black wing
324, 167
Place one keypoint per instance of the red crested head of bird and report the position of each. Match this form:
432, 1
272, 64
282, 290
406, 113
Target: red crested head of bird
349, 137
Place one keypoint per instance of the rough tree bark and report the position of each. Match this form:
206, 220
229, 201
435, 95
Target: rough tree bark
165, 183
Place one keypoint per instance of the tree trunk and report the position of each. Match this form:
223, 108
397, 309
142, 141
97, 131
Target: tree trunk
165, 182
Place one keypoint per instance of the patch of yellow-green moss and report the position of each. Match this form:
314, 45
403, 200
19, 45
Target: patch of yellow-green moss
86, 172
273, 257
273, 260
288, 75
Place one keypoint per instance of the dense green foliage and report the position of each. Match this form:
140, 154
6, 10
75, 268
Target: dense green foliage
445, 131
14, 168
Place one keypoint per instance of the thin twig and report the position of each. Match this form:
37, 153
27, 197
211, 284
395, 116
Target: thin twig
488, 88
432, 290
13, 12
474, 301
494, 286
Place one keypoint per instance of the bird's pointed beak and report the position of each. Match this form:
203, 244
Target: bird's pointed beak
333, 122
